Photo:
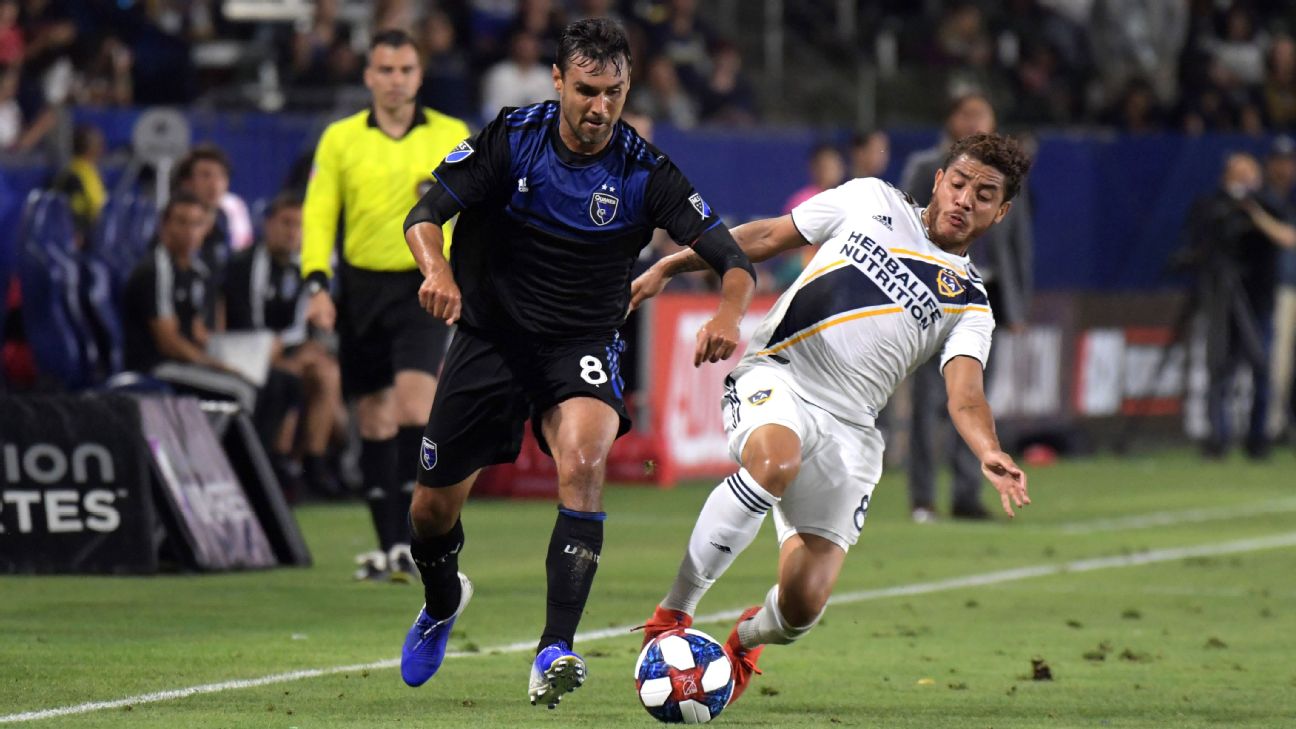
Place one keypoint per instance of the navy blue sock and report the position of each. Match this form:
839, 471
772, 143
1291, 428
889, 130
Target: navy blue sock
438, 562
378, 467
573, 559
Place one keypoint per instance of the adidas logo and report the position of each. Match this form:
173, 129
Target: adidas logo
885, 220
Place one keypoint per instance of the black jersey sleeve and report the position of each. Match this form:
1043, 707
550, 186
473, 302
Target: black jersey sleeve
471, 173
674, 205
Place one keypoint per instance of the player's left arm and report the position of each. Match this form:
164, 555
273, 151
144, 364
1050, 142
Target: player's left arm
673, 204
970, 412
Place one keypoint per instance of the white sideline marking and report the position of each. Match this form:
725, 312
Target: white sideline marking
1275, 541
1172, 518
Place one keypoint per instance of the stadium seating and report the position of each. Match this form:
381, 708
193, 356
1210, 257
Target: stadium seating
51, 310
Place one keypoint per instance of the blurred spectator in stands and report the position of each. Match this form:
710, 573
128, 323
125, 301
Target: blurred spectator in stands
321, 51
682, 37
446, 72
1238, 51
81, 182
205, 173
1136, 38
105, 79
263, 291
1280, 182
826, 169
543, 21
1136, 110
728, 97
11, 116
961, 38
489, 22
1232, 251
394, 14
665, 99
12, 45
1043, 91
518, 80
870, 153
1280, 83
597, 9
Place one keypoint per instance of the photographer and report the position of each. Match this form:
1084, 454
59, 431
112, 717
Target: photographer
1234, 234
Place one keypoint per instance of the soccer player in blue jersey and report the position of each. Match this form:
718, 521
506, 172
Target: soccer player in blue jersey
555, 201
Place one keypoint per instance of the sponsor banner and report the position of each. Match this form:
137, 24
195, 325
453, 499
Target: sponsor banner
74, 486
204, 502
1131, 371
684, 400
1025, 374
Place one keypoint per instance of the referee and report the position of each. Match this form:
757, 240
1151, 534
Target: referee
371, 168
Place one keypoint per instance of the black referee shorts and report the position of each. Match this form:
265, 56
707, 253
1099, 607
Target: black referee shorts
492, 385
382, 329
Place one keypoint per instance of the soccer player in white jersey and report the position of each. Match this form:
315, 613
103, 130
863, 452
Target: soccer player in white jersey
890, 287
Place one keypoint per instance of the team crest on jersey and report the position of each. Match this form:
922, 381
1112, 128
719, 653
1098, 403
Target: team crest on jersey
428, 455
460, 153
759, 397
700, 205
603, 208
949, 284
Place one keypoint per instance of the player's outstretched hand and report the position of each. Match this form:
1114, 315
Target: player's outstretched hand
320, 312
439, 296
716, 340
646, 285
1007, 478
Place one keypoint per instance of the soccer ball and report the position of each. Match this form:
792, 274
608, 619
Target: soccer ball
684, 677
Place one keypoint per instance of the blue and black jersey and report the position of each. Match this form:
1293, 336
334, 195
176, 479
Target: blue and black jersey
547, 237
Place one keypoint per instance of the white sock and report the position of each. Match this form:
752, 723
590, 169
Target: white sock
769, 626
728, 523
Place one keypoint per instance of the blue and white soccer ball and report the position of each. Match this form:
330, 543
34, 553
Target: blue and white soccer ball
683, 676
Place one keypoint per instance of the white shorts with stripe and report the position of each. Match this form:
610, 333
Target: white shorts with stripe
840, 462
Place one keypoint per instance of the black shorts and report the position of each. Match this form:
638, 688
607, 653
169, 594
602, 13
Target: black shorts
382, 329
492, 385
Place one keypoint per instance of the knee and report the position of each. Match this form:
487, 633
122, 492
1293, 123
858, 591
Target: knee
581, 467
430, 514
773, 471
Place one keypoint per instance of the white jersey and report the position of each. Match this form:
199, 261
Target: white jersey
877, 300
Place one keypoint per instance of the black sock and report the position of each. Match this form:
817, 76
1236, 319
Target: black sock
409, 441
573, 559
378, 467
438, 562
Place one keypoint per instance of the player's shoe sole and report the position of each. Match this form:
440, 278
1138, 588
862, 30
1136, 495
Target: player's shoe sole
743, 659
425, 643
556, 672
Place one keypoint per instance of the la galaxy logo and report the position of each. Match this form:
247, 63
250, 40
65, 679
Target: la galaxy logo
459, 153
759, 397
700, 205
428, 455
949, 284
603, 207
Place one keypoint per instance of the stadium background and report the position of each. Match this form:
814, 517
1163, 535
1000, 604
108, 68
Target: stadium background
1132, 107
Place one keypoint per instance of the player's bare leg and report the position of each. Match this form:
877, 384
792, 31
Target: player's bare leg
580, 432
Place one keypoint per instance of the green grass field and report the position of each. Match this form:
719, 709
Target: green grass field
1189, 639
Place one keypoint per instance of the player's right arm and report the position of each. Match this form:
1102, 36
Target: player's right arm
319, 228
970, 413
760, 240
470, 174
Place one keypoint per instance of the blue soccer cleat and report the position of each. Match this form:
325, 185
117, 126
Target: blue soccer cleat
556, 671
425, 644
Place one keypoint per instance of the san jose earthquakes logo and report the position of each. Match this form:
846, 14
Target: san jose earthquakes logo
603, 208
949, 284
700, 205
460, 153
428, 455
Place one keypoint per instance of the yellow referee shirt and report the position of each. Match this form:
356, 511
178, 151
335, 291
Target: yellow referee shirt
373, 180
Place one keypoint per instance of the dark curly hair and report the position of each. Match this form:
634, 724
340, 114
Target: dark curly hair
998, 151
599, 40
